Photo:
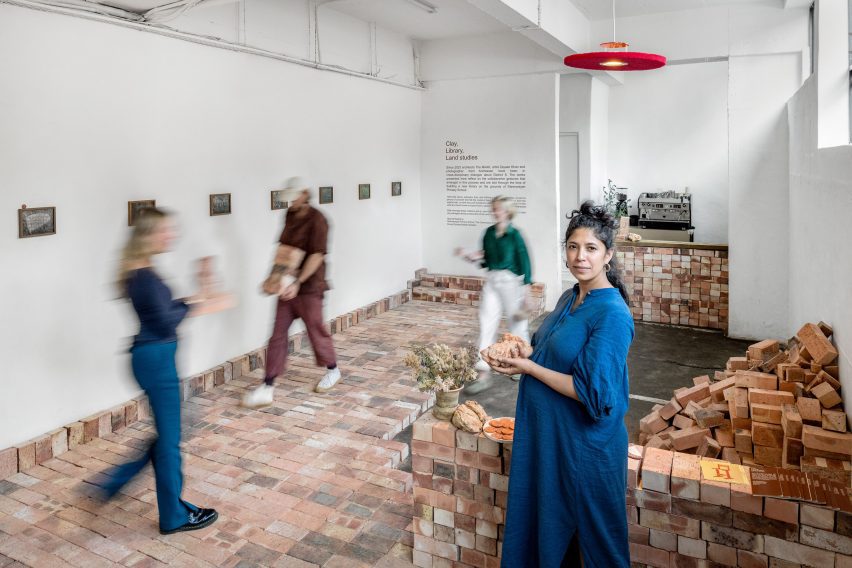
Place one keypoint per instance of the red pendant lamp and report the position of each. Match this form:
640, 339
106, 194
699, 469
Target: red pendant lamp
613, 60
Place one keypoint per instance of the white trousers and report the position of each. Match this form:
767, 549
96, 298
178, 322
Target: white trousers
502, 294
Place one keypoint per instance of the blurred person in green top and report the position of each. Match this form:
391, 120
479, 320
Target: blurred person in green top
504, 256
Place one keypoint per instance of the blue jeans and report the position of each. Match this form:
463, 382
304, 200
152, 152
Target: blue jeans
154, 368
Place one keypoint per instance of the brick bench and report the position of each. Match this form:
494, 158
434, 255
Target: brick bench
675, 518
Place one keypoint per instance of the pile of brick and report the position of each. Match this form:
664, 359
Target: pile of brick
772, 407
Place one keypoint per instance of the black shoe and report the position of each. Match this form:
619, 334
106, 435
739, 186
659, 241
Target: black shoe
197, 520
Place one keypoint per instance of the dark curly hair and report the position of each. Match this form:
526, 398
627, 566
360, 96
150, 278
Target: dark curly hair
604, 226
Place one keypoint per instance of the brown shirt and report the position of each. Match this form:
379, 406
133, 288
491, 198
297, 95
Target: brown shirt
308, 231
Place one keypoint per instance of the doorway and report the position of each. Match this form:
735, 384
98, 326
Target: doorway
569, 189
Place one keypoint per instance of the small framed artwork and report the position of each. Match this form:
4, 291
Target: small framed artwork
220, 204
277, 199
396, 188
36, 222
135, 207
363, 191
326, 195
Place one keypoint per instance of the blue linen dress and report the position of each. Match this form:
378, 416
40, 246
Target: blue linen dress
569, 458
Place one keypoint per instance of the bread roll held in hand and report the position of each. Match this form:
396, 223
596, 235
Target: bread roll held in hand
509, 347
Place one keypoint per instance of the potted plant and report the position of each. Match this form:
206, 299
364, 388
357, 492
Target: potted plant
443, 370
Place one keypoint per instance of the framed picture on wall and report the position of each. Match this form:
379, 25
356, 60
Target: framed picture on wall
326, 195
220, 204
363, 191
135, 207
396, 188
36, 222
277, 199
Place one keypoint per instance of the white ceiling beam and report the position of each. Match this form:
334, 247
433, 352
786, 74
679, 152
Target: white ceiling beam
793, 4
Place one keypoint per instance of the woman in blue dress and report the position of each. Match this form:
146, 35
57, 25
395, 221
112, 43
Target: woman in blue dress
569, 460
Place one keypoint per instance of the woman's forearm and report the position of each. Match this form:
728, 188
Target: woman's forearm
561, 383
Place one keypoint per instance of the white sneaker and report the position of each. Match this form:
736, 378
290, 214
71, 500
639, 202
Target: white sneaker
481, 365
329, 380
261, 396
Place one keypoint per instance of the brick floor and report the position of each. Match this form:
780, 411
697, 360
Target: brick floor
309, 481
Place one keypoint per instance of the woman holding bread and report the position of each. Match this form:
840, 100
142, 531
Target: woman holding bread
569, 460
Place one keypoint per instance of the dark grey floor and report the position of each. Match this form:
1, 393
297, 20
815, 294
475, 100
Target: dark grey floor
662, 358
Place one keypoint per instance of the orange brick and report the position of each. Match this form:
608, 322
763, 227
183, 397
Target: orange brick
772, 397
763, 349
826, 395
709, 448
791, 421
810, 410
686, 476
641, 554
767, 413
668, 411
695, 394
742, 500
834, 420
725, 437
683, 422
657, 470
819, 347
653, 423
743, 442
689, 438
8, 462
444, 433
739, 404
781, 510
717, 390
834, 442
792, 452
756, 380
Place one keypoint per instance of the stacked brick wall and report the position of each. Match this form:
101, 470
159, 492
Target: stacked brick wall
678, 285
461, 290
676, 519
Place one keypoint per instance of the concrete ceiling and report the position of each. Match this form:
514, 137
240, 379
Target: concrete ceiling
602, 9
453, 18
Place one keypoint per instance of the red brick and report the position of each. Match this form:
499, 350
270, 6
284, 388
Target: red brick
764, 455
8, 462
815, 516
798, 553
791, 421
781, 510
763, 349
721, 554
746, 559
826, 540
695, 548
763, 434
731, 537
834, 420
669, 523
696, 393
26, 456
669, 410
743, 441
645, 499
662, 540
682, 422
444, 433
641, 554
638, 534
653, 423
432, 450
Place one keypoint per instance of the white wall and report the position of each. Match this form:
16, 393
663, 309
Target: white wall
506, 120
95, 115
575, 115
760, 86
820, 201
716, 127
668, 130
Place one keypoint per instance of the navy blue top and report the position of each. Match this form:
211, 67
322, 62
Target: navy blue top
159, 315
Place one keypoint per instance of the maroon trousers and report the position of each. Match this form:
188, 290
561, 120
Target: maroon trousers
309, 308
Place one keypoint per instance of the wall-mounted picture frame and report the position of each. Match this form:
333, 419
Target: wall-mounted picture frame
363, 191
220, 204
396, 188
277, 201
135, 207
326, 195
36, 221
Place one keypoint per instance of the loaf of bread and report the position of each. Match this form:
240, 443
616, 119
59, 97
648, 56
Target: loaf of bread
509, 347
470, 417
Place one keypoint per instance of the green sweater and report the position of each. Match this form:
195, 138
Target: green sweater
507, 252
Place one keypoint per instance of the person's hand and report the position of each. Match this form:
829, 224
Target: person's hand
290, 292
511, 366
458, 251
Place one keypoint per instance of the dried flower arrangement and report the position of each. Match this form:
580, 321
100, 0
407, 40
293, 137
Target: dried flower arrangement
440, 367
